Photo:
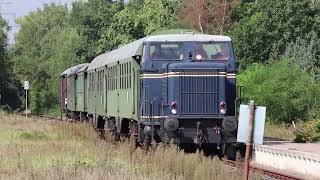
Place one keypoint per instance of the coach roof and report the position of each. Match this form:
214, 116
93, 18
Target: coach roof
73, 69
132, 49
121, 53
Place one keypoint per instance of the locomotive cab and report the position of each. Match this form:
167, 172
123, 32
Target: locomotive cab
188, 90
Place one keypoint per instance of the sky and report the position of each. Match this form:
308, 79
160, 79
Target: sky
12, 9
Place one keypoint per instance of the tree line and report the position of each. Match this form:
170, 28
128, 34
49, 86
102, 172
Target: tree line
276, 43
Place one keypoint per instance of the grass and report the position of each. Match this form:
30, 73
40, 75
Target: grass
38, 149
281, 131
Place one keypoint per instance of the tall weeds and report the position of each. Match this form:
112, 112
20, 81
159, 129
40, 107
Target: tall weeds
38, 149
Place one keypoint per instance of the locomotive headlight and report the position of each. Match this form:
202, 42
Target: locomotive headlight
174, 111
198, 57
223, 111
223, 108
174, 108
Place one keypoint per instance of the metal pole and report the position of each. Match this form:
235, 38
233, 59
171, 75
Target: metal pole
249, 140
26, 103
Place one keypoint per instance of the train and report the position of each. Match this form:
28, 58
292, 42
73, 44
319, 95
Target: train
177, 86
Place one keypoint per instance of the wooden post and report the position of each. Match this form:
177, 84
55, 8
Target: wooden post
249, 140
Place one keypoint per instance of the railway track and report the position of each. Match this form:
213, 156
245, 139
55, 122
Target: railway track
234, 164
262, 170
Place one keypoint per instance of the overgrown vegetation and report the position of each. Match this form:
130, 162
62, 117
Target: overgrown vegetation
38, 149
283, 131
311, 131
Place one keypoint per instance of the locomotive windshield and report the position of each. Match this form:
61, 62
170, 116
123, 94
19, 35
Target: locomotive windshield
213, 51
166, 51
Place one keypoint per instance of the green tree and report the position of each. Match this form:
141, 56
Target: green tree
126, 27
159, 15
44, 47
138, 19
306, 53
92, 19
8, 85
288, 91
265, 28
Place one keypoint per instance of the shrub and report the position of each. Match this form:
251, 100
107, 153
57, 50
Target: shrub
311, 130
288, 92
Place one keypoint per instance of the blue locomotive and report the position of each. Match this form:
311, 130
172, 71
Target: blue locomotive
174, 88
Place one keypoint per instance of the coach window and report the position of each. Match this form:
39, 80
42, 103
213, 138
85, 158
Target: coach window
120, 76
100, 82
126, 75
108, 78
166, 51
129, 75
91, 82
98, 89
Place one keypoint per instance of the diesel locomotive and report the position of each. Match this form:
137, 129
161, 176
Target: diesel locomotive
173, 88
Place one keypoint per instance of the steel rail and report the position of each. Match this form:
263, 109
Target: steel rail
261, 170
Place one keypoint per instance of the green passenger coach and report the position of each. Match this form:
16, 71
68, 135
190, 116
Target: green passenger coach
113, 85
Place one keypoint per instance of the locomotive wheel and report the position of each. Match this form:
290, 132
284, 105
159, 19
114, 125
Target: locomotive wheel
231, 152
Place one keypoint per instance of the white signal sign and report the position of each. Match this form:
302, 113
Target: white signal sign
26, 85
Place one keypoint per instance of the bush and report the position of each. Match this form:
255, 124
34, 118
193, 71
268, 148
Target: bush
288, 92
311, 131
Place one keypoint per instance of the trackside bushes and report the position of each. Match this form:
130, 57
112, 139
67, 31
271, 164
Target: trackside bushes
288, 92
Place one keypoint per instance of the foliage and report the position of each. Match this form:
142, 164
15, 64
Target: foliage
137, 20
105, 25
158, 15
283, 131
44, 47
8, 84
306, 53
209, 16
311, 131
288, 92
92, 19
266, 28
125, 27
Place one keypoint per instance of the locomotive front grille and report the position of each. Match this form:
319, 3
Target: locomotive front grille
199, 94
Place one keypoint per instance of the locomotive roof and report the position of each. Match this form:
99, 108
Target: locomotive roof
132, 49
73, 69
187, 37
